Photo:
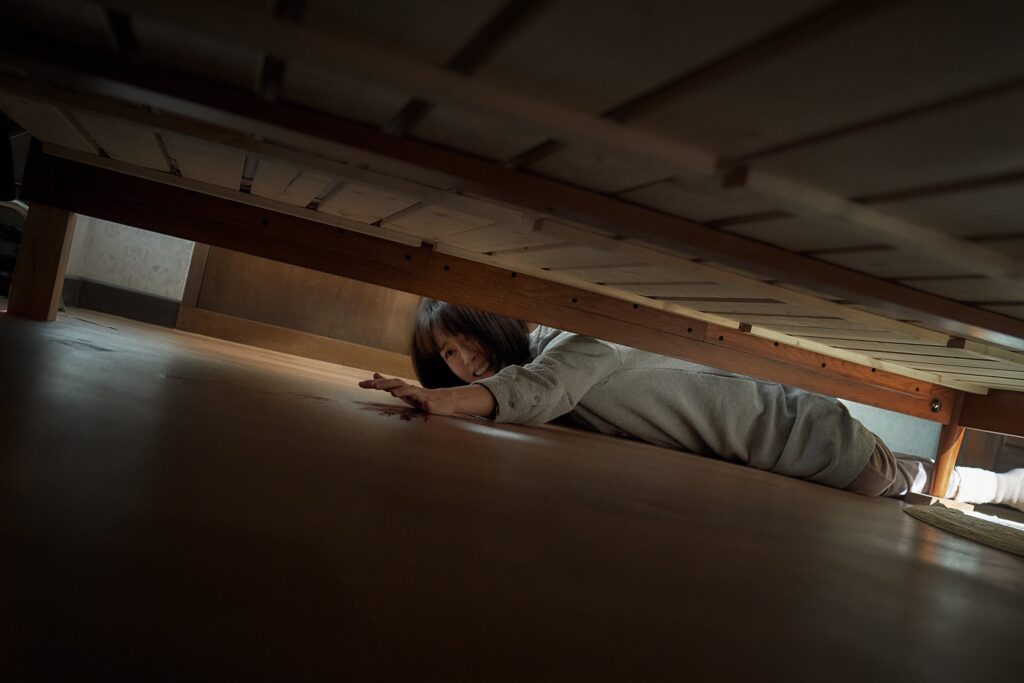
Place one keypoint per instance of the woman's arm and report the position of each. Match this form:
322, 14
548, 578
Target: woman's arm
472, 399
567, 367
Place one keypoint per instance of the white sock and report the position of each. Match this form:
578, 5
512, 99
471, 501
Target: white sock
976, 485
1010, 488
982, 486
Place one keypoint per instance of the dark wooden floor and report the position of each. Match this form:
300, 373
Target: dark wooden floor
173, 507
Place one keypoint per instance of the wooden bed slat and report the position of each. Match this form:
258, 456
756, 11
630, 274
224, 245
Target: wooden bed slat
557, 255
682, 292
808, 322
124, 141
843, 333
629, 273
286, 183
500, 236
251, 200
46, 122
633, 251
434, 222
364, 203
205, 162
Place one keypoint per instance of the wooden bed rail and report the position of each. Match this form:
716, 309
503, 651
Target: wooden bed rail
173, 210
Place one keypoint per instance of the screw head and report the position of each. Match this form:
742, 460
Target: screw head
935, 405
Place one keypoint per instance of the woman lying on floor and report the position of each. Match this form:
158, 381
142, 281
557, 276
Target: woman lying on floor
476, 363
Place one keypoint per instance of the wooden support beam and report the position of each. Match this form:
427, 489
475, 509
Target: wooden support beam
268, 84
998, 411
42, 259
255, 230
951, 437
194, 280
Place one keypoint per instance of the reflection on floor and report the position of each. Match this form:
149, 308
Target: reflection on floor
173, 506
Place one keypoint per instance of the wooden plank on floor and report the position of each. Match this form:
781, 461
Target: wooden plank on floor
255, 489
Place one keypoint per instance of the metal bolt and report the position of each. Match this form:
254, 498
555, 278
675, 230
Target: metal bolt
935, 405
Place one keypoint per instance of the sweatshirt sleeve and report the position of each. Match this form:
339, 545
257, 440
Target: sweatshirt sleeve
554, 382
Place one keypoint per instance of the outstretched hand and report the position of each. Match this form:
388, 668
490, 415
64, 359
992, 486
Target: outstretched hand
469, 400
416, 396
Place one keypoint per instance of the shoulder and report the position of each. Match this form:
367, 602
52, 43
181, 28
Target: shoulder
550, 342
542, 336
545, 338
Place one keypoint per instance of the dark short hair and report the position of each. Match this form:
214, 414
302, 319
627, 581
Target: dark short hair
506, 341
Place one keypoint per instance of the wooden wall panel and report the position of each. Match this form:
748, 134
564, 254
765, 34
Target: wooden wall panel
306, 300
295, 343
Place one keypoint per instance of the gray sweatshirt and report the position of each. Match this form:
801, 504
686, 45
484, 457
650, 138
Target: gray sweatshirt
618, 390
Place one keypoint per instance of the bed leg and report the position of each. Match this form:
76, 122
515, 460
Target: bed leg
42, 259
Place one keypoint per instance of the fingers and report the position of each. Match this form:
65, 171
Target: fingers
412, 394
368, 383
382, 383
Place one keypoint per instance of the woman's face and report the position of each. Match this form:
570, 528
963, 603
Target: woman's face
464, 356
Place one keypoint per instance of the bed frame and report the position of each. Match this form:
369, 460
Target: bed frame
755, 197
